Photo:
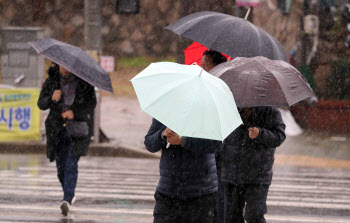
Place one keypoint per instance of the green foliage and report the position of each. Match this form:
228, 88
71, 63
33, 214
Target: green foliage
307, 72
128, 62
338, 82
338, 29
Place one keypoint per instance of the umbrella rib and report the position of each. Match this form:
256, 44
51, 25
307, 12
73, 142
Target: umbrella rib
258, 34
217, 36
276, 45
36, 47
219, 87
189, 29
39, 50
168, 92
273, 75
160, 73
284, 94
75, 72
190, 21
187, 122
223, 30
205, 84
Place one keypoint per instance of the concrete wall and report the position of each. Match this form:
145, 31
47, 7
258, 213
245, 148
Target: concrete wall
122, 35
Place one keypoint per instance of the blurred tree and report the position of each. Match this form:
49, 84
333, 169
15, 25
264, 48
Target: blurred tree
38, 11
338, 82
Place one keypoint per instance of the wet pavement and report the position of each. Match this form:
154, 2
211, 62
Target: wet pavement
123, 121
311, 178
121, 190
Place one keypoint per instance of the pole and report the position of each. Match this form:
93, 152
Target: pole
92, 11
304, 39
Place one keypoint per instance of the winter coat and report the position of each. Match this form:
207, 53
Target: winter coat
187, 170
82, 107
250, 161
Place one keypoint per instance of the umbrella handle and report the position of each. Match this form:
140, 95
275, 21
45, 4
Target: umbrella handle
248, 12
168, 144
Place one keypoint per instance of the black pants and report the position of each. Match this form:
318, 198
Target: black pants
252, 197
193, 210
219, 218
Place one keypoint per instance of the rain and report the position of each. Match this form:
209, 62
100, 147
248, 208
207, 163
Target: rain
175, 111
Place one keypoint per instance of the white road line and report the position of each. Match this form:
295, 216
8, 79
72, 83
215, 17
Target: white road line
303, 219
148, 212
282, 201
58, 195
309, 195
77, 209
308, 205
317, 180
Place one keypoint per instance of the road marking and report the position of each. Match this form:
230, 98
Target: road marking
145, 212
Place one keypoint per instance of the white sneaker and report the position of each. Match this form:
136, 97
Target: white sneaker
65, 208
73, 200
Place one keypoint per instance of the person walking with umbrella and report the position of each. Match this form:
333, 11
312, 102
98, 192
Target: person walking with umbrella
209, 60
68, 126
248, 152
186, 101
187, 187
247, 160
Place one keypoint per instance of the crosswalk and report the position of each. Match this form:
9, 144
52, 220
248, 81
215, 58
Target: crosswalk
121, 190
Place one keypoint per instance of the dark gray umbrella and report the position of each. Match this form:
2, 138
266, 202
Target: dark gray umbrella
230, 35
260, 81
75, 60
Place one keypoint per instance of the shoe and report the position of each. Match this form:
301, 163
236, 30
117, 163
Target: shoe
73, 200
65, 208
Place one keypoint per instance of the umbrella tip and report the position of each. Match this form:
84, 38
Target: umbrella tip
200, 74
247, 14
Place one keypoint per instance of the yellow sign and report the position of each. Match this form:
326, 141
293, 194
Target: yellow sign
19, 114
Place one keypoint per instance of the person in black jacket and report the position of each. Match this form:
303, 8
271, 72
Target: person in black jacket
248, 156
69, 99
187, 187
209, 60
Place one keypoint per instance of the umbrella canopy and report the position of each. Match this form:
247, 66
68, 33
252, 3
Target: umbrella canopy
260, 81
187, 99
230, 35
75, 60
194, 53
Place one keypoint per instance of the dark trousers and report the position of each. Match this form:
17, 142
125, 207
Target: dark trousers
220, 213
67, 169
248, 197
193, 210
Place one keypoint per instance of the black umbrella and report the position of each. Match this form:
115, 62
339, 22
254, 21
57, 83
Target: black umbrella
230, 35
260, 81
75, 60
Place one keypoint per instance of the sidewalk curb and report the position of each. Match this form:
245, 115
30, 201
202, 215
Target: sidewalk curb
103, 149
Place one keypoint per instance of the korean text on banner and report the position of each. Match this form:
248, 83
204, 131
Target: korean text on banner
19, 114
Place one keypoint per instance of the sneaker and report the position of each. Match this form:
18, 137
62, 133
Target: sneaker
73, 200
65, 208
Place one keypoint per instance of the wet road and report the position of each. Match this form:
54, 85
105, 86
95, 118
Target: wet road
121, 190
123, 122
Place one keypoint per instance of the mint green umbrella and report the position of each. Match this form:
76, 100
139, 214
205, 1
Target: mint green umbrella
187, 99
